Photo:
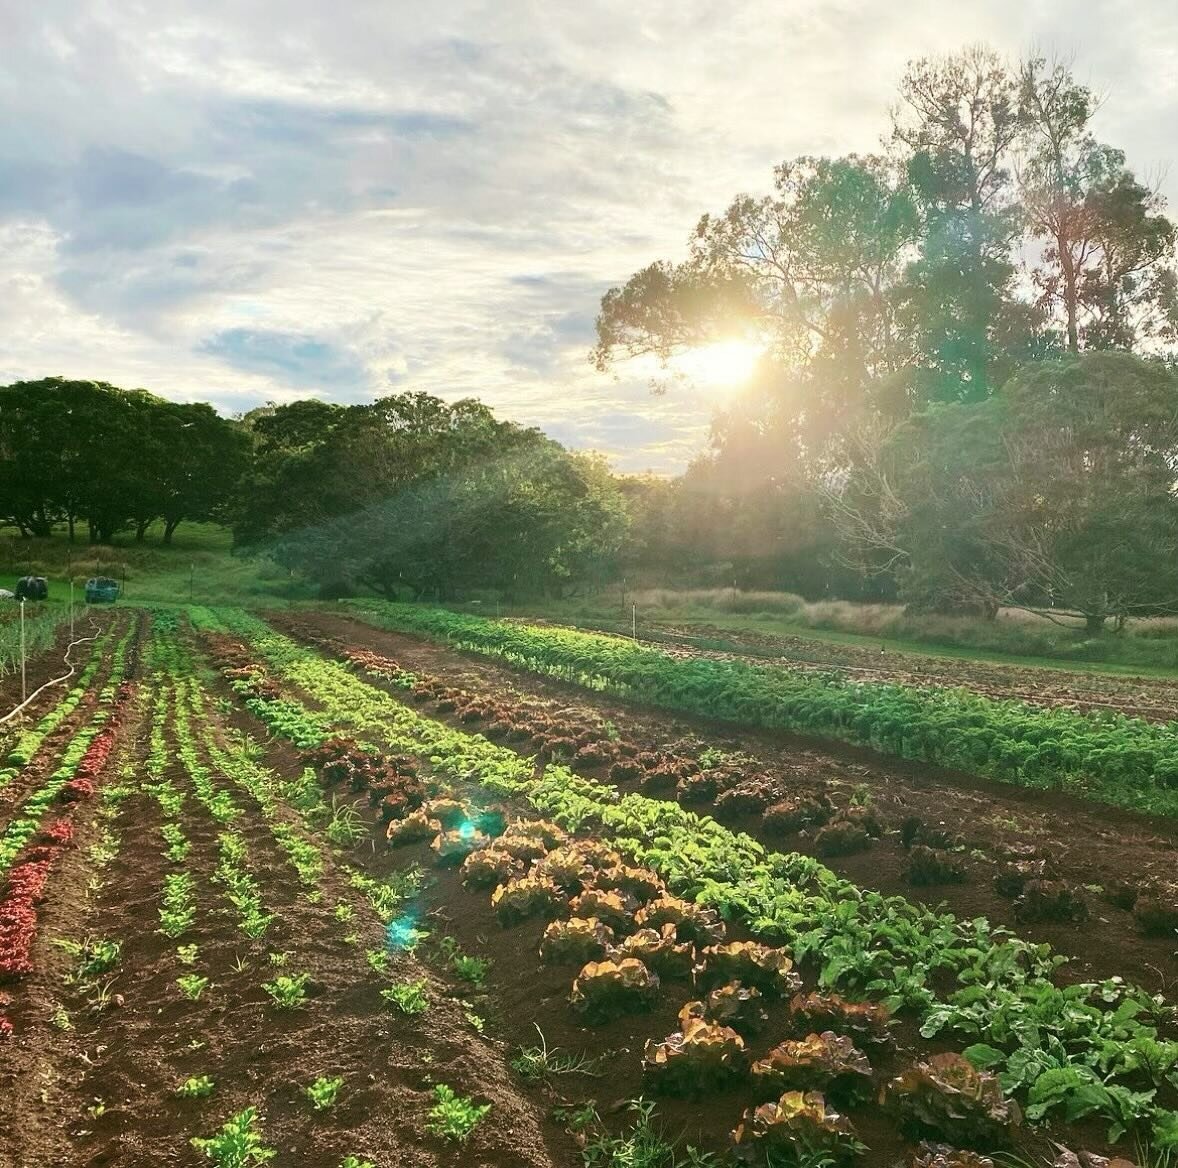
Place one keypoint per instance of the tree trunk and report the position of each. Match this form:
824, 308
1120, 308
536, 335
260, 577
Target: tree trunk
141, 529
170, 526
1070, 293
1094, 622
70, 520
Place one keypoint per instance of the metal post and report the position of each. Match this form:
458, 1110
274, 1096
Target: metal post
24, 688
71, 608
191, 579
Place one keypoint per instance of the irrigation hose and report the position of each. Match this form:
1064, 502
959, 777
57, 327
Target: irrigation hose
57, 680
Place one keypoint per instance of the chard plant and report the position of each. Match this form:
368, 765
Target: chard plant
238, 1144
324, 1092
288, 993
454, 1117
408, 996
192, 986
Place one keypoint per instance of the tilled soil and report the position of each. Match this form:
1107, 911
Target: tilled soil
102, 1091
44, 667
46, 759
1091, 845
530, 999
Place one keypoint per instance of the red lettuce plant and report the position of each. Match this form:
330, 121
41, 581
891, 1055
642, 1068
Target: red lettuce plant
695, 1061
749, 962
823, 1061
867, 1021
692, 922
412, 829
732, 1005
947, 1096
660, 951
566, 868
490, 867
640, 883
452, 847
578, 939
448, 812
616, 909
607, 989
796, 1129
933, 1155
526, 897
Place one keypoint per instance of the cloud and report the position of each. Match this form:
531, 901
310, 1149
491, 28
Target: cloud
294, 358
250, 202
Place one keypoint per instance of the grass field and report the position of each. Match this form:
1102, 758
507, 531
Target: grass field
198, 566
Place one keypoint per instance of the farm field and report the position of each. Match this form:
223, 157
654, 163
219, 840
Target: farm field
1150, 693
988, 825
347, 894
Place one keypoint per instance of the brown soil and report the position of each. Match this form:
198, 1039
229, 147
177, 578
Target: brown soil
1092, 845
530, 1000
103, 1092
41, 668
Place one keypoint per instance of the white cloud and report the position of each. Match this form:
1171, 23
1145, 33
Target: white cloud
250, 202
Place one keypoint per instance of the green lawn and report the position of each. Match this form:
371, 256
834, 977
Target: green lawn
199, 566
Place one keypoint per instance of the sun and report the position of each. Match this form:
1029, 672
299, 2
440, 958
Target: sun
722, 365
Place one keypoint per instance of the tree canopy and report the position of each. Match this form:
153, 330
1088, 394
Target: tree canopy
914, 307
411, 493
85, 452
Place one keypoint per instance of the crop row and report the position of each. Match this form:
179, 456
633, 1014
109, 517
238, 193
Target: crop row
1109, 757
29, 741
735, 787
27, 880
40, 631
69, 781
1080, 1048
297, 818
634, 944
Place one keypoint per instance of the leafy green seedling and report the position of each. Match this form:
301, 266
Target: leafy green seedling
288, 992
408, 996
192, 986
324, 1092
237, 1144
453, 1116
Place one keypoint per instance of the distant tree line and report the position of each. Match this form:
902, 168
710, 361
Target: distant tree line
86, 455
413, 496
966, 398
407, 495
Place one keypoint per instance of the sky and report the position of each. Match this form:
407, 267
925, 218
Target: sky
245, 201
